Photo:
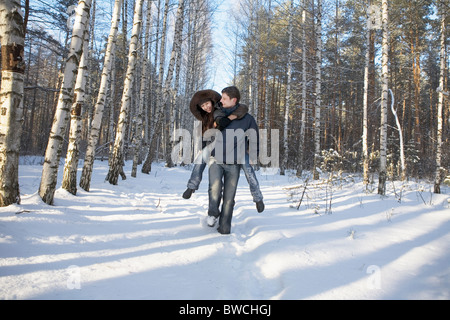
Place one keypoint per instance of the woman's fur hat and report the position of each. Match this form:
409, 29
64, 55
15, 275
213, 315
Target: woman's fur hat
201, 97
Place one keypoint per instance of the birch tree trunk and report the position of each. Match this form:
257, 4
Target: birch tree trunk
89, 158
304, 86
154, 85
439, 169
112, 94
288, 92
117, 158
384, 99
176, 49
11, 99
400, 133
318, 90
160, 101
69, 182
365, 147
61, 118
162, 56
191, 48
146, 167
144, 87
255, 60
266, 66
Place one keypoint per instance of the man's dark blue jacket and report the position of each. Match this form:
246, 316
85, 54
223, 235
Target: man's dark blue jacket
238, 140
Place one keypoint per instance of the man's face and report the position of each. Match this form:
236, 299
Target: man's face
227, 102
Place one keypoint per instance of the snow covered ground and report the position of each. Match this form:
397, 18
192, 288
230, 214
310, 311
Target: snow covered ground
141, 240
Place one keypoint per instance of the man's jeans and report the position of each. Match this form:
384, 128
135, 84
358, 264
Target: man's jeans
230, 175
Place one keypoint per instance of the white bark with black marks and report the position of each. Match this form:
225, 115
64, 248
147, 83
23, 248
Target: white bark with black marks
62, 114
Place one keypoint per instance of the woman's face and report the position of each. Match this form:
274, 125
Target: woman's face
207, 106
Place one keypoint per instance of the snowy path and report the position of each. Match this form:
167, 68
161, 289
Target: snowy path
141, 240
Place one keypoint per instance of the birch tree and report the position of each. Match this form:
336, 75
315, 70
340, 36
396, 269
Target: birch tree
442, 56
89, 158
117, 157
11, 99
400, 133
176, 51
137, 143
156, 123
304, 86
288, 90
365, 148
69, 182
373, 22
266, 66
255, 57
61, 118
384, 99
318, 90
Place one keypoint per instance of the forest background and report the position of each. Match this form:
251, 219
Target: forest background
328, 74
